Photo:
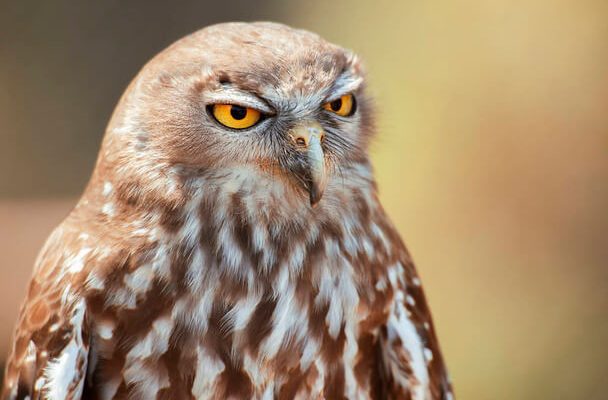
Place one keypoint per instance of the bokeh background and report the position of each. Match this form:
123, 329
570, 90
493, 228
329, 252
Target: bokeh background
492, 157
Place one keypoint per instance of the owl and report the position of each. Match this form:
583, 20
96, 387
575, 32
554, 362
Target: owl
230, 243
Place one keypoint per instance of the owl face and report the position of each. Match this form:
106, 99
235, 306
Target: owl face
263, 96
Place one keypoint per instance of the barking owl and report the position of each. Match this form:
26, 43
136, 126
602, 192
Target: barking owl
230, 243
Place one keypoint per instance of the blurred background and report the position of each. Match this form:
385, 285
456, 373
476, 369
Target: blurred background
492, 157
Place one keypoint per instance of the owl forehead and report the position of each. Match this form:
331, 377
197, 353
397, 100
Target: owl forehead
290, 82
282, 65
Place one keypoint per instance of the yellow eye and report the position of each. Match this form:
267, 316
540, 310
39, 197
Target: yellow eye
235, 117
344, 106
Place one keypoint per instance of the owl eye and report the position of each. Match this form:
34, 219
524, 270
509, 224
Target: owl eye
345, 106
235, 117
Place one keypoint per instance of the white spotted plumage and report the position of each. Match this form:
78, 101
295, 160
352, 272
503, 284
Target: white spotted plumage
207, 262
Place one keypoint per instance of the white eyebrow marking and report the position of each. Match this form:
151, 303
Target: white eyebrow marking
232, 95
344, 84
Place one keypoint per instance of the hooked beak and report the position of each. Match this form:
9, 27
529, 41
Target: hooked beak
308, 138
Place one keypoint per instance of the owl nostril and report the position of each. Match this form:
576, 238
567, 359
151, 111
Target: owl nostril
307, 134
317, 132
303, 140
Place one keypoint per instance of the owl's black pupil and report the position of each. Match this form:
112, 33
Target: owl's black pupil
336, 105
238, 112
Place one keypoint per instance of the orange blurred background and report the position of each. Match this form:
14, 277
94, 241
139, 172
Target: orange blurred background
492, 158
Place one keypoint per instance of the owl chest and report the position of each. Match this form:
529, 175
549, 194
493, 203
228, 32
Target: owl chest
290, 332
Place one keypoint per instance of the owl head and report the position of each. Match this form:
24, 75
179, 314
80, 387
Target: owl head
277, 106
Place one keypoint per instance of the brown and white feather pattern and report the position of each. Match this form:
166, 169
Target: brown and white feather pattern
176, 278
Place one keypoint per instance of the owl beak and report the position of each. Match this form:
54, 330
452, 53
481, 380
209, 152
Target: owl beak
308, 138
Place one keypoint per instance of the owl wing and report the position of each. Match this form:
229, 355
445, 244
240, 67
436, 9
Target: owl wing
50, 346
413, 364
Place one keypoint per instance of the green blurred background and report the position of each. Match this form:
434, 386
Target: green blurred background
492, 157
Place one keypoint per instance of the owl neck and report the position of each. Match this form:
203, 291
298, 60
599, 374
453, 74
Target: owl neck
240, 214
254, 224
